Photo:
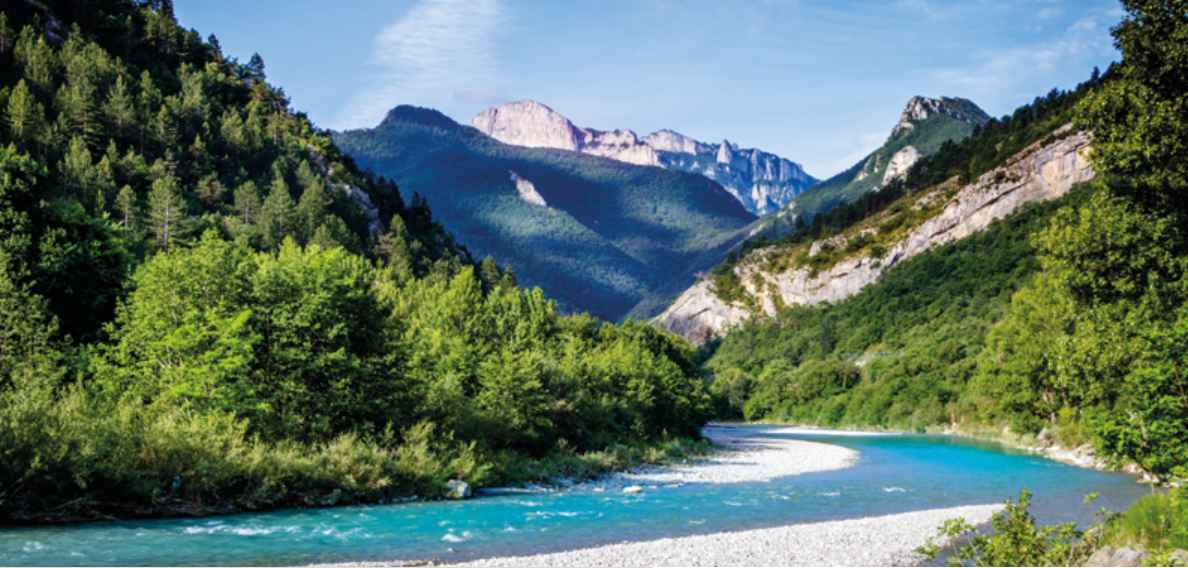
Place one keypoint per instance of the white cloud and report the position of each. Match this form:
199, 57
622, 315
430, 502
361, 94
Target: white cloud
438, 49
993, 71
1049, 13
481, 96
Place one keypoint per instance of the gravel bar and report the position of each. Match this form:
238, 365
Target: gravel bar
874, 541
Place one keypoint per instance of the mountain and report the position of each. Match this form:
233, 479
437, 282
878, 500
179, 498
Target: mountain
926, 124
597, 234
761, 181
860, 255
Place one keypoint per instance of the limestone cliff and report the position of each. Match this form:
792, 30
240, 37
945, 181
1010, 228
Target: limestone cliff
762, 182
1038, 173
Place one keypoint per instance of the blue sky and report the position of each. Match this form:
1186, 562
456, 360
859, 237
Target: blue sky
820, 82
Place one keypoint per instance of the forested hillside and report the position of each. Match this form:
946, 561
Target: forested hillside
951, 121
1069, 316
205, 306
612, 238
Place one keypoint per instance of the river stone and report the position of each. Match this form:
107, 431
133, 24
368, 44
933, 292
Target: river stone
457, 489
1127, 557
1180, 557
633, 489
1101, 557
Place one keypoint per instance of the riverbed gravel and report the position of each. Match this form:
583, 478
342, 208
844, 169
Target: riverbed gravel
876, 541
743, 459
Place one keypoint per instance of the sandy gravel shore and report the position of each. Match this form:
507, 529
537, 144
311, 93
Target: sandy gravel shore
875, 541
745, 459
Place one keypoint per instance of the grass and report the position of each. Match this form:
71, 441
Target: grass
1156, 523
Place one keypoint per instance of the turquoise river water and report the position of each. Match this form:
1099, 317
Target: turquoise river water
893, 474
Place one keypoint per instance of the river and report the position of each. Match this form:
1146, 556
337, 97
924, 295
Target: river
892, 474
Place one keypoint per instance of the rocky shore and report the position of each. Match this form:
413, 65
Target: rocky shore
876, 541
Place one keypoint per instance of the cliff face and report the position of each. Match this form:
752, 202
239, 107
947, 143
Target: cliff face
1039, 173
762, 182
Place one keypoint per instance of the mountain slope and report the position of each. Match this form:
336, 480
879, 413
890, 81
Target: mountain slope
926, 124
761, 181
611, 238
1033, 155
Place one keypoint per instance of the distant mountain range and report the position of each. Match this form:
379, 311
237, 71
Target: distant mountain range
761, 181
597, 234
925, 125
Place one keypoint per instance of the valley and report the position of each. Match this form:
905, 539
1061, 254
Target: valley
481, 333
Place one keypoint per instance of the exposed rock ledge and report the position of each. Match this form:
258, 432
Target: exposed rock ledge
1035, 174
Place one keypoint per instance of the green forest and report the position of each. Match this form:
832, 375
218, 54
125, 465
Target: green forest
616, 239
1069, 316
206, 307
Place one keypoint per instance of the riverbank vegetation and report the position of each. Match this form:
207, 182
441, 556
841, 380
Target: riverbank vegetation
1069, 317
205, 306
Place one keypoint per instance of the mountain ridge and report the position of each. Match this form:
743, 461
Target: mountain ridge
761, 181
1046, 170
597, 234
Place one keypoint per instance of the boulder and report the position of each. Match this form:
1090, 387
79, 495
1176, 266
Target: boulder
457, 489
1127, 557
1180, 557
633, 489
1101, 557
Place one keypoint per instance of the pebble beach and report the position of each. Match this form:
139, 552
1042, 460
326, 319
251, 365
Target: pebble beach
874, 541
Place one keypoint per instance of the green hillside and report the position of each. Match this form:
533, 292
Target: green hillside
206, 307
615, 239
908, 350
927, 136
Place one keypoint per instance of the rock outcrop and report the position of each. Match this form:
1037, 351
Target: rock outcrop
527, 190
762, 182
352, 191
1038, 173
901, 162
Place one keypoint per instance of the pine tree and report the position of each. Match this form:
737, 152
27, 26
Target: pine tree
247, 202
24, 116
311, 209
168, 221
509, 282
126, 207
147, 103
279, 214
75, 170
6, 38
119, 108
211, 190
489, 274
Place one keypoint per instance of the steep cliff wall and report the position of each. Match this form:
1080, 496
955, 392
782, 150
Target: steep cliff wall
761, 181
1039, 173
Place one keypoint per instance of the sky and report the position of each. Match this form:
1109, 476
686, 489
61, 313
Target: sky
820, 82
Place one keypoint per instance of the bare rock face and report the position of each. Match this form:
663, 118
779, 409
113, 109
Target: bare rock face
901, 162
698, 315
1035, 174
762, 182
528, 123
669, 141
527, 190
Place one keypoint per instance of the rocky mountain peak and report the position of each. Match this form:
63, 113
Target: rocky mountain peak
762, 182
920, 109
528, 123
